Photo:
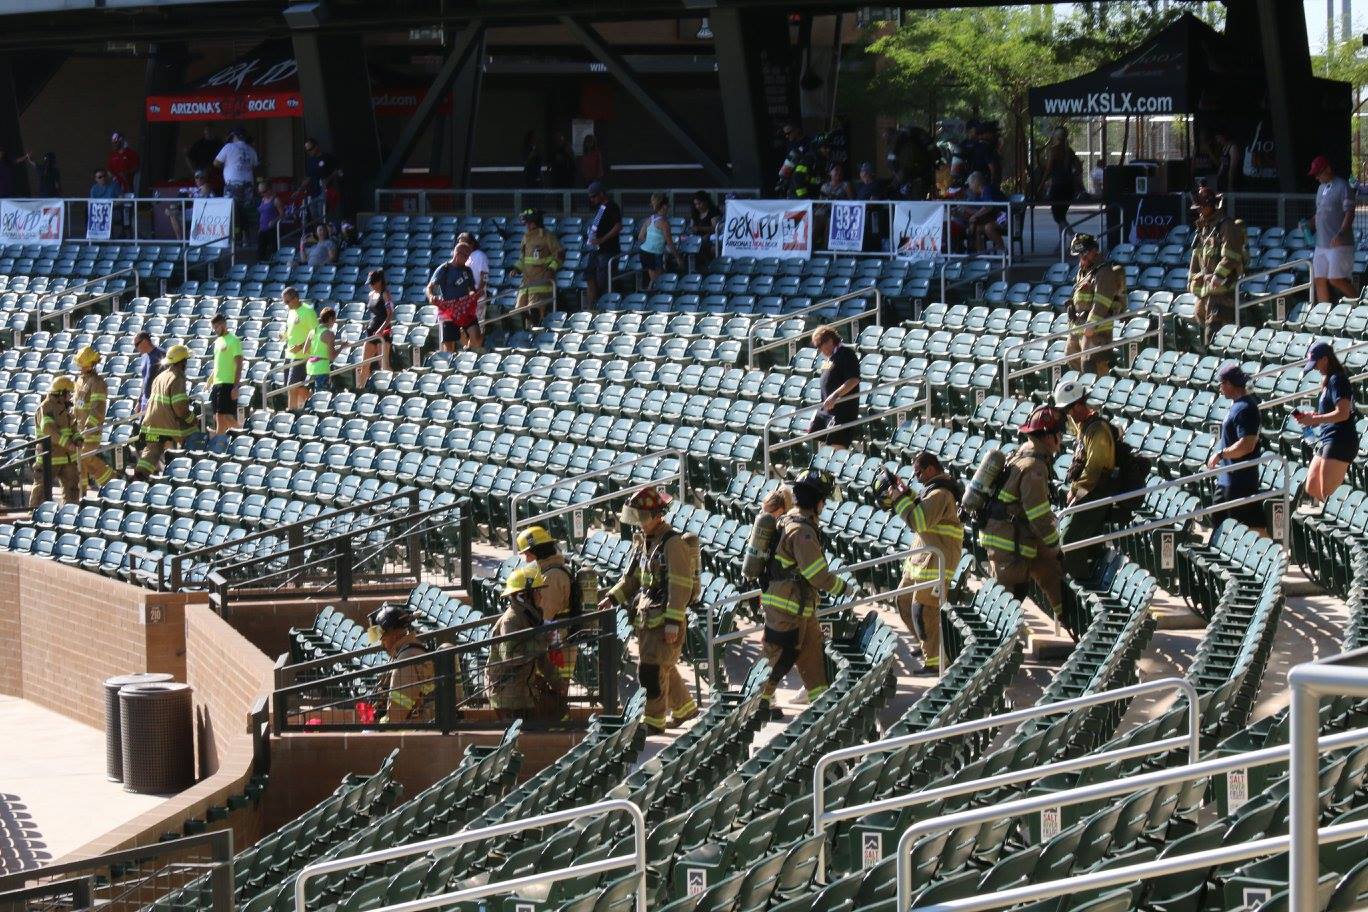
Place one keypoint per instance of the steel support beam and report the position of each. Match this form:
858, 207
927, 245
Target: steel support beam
617, 67
758, 76
739, 114
465, 112
1287, 68
165, 73
466, 45
338, 112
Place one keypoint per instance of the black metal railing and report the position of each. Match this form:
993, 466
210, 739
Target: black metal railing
443, 530
129, 879
457, 675
23, 464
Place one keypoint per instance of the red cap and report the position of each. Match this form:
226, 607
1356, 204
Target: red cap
1318, 164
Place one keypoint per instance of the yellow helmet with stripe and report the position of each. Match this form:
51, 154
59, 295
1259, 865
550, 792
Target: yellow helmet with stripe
532, 536
87, 357
523, 579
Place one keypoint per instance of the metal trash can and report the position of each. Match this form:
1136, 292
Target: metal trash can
158, 737
113, 730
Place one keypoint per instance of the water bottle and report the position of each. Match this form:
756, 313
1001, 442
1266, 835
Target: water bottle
1308, 239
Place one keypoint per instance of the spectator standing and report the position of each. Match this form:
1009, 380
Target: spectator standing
837, 187
1218, 260
223, 393
322, 349
706, 218
123, 162
592, 167
983, 153
322, 170
1338, 443
199, 155
299, 325
603, 242
478, 263
323, 251
538, 261
1332, 263
1227, 162
380, 309
869, 187
1062, 178
561, 169
238, 161
1239, 443
149, 365
450, 285
49, 175
1090, 477
800, 174
532, 161
655, 238
270, 211
840, 381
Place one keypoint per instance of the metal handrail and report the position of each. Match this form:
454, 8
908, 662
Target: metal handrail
710, 613
1096, 792
1193, 740
267, 392
660, 455
923, 403
1008, 375
1282, 267
1342, 675
1266, 459
1174, 864
834, 324
52, 296
513, 292
637, 860
174, 561
1104, 233
752, 351
1303, 394
339, 658
1301, 362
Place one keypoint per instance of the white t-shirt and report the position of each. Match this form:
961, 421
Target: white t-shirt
239, 162
478, 264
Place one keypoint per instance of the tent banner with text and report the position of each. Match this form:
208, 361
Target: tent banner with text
768, 228
918, 230
31, 221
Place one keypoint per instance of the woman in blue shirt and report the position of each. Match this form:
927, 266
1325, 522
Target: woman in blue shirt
655, 238
1338, 444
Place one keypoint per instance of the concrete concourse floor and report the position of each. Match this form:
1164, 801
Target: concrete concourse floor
54, 797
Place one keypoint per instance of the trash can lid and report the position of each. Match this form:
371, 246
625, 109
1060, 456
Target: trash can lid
138, 677
152, 690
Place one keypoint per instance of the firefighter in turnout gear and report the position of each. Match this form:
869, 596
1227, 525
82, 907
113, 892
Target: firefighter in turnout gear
89, 403
54, 421
1091, 475
1219, 257
934, 516
660, 583
538, 261
410, 688
523, 684
1021, 533
801, 174
541, 550
1099, 294
797, 576
168, 419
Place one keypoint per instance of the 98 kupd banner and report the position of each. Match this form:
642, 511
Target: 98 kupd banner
31, 221
768, 228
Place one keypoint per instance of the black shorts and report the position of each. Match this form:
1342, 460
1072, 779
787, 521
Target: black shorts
651, 260
450, 331
296, 374
221, 399
842, 436
1339, 449
596, 266
1251, 514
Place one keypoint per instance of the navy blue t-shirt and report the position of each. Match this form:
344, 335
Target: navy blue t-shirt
1337, 388
1240, 422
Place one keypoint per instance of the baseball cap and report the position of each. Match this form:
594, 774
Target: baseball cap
1318, 164
866, 166
595, 188
1317, 351
1234, 374
115, 136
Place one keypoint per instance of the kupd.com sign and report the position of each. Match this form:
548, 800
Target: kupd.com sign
768, 228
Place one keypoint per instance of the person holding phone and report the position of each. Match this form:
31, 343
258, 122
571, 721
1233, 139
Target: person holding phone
1338, 442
